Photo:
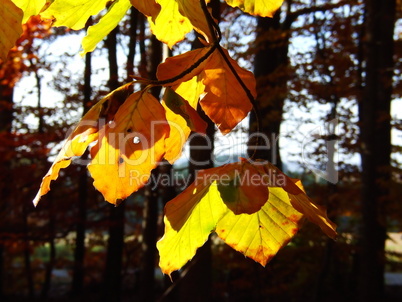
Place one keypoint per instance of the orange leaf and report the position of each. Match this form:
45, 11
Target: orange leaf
10, 26
148, 8
244, 190
174, 66
225, 102
129, 147
84, 133
182, 118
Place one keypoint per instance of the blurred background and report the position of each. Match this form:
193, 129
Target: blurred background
329, 82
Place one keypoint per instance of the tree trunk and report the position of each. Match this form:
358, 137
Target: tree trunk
150, 221
79, 252
112, 278
270, 64
375, 140
6, 118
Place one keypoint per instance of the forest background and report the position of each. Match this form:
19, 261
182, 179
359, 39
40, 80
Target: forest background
312, 61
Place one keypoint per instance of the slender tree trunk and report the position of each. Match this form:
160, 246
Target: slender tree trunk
375, 140
52, 249
112, 277
6, 119
150, 221
132, 43
79, 251
27, 254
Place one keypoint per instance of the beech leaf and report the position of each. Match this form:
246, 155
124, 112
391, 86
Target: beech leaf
263, 8
176, 65
262, 234
30, 7
169, 26
107, 23
148, 8
10, 27
182, 119
257, 225
72, 13
84, 133
192, 10
129, 147
225, 102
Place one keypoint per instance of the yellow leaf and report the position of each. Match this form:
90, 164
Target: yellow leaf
72, 13
129, 147
182, 118
263, 8
192, 10
148, 8
260, 235
225, 102
301, 202
106, 24
84, 133
189, 219
170, 26
256, 225
10, 27
30, 7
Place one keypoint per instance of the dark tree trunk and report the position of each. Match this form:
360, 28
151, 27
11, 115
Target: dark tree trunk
270, 64
151, 207
375, 140
112, 278
52, 249
79, 252
6, 119
132, 43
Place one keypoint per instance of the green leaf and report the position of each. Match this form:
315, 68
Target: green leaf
72, 13
10, 27
30, 7
106, 24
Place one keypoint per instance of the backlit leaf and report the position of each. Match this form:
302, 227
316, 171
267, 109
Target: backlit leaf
263, 8
106, 24
30, 7
192, 10
176, 65
244, 190
72, 13
301, 202
182, 119
170, 26
129, 147
260, 235
84, 133
225, 102
269, 219
189, 219
149, 8
10, 27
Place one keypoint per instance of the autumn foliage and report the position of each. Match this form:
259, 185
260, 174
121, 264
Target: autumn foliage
251, 205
